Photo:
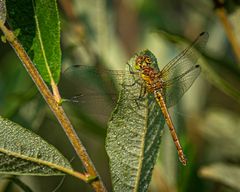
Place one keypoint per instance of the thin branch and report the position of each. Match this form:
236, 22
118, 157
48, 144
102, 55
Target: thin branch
58, 111
55, 91
221, 13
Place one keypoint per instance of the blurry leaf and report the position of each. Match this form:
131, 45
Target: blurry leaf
133, 136
16, 87
2, 11
226, 174
19, 183
22, 152
47, 53
221, 83
231, 6
32, 113
222, 129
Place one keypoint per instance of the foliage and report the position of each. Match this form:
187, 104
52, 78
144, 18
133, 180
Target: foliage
132, 143
105, 34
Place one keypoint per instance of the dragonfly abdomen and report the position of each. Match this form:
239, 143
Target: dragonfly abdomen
160, 100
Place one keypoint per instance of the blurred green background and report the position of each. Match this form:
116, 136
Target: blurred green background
106, 33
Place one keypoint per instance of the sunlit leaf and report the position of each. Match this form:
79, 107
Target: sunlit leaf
133, 136
22, 152
47, 53
226, 174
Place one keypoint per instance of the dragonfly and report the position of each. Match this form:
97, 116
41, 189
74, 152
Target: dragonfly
167, 85
170, 84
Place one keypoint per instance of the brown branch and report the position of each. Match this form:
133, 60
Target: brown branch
221, 13
58, 111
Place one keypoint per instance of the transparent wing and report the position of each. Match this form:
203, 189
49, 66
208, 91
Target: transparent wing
90, 90
89, 82
82, 71
180, 73
186, 59
92, 72
174, 89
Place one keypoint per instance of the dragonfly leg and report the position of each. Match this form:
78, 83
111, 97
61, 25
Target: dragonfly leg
143, 92
142, 95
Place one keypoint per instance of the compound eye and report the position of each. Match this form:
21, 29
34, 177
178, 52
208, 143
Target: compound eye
148, 60
138, 63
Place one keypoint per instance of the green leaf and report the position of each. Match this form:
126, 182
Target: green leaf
21, 17
39, 33
226, 174
22, 152
2, 11
133, 136
47, 53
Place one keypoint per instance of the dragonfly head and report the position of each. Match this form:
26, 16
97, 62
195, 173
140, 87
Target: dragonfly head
142, 62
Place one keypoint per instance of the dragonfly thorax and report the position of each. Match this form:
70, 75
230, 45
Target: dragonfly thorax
152, 79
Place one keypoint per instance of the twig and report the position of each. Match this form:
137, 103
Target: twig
221, 13
97, 184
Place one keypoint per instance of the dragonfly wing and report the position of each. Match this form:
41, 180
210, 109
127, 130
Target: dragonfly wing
180, 73
175, 88
82, 71
90, 82
186, 59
